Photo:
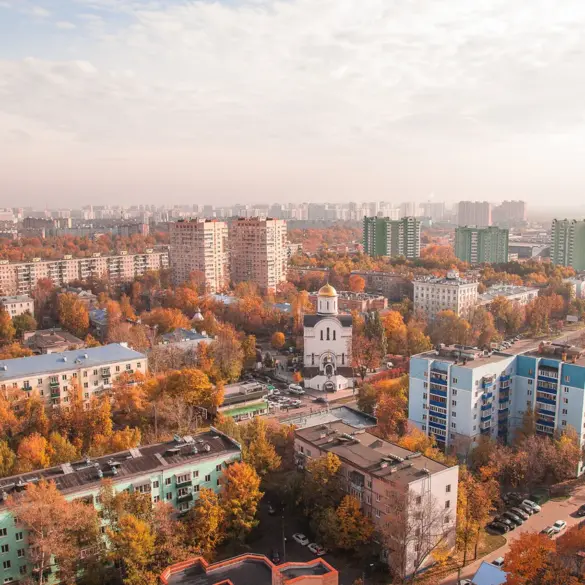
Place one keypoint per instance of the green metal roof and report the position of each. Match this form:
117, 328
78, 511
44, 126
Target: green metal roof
245, 409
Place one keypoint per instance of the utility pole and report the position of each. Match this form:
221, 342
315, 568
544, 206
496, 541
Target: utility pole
283, 540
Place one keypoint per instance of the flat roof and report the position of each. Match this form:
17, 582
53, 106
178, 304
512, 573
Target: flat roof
74, 477
16, 299
505, 291
67, 360
459, 356
350, 416
366, 451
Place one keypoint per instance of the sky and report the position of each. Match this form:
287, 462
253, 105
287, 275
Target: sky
242, 101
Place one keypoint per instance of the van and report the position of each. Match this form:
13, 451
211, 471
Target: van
295, 389
499, 562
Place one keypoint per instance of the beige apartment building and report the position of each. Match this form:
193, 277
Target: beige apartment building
411, 499
200, 247
259, 251
20, 278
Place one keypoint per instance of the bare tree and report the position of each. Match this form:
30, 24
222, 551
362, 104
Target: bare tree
416, 526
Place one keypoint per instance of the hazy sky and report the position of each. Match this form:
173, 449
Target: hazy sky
168, 101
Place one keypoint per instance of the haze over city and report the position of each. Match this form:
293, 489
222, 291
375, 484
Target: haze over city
120, 101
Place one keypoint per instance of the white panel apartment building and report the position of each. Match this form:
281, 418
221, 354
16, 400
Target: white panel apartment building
53, 376
459, 393
18, 278
387, 478
17, 305
200, 247
432, 295
258, 249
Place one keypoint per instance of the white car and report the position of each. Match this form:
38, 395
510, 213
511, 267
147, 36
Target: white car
559, 526
316, 549
296, 389
466, 582
531, 504
274, 392
301, 539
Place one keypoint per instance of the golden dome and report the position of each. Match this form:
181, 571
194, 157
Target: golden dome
327, 291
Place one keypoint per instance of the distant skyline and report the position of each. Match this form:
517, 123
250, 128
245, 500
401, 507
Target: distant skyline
248, 101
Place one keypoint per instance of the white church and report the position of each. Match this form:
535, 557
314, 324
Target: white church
327, 345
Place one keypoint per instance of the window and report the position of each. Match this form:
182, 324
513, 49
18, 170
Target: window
85, 385
418, 500
531, 372
196, 488
183, 478
19, 536
75, 374
424, 427
564, 423
64, 377
425, 384
321, 335
474, 427
196, 473
565, 411
156, 499
453, 425
128, 366
182, 492
218, 467
85, 374
169, 496
530, 382
155, 484
453, 402
454, 392
567, 378
4, 549
117, 368
95, 382
208, 478
168, 480
3, 532
138, 365
529, 392
566, 400
453, 413
424, 417
334, 335
448, 488
424, 396
23, 570
39, 381
377, 513
6, 565
377, 497
454, 380
447, 504
20, 553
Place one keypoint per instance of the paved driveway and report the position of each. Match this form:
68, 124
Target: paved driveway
551, 511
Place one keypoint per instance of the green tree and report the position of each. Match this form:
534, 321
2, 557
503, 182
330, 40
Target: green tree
322, 486
367, 398
61, 450
23, 323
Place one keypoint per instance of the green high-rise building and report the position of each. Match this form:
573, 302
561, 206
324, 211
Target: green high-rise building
568, 243
481, 245
387, 237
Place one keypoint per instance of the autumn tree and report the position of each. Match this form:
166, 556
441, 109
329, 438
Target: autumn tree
73, 314
33, 453
227, 353
483, 329
14, 350
61, 449
206, 523
448, 328
7, 459
396, 332
23, 323
354, 529
239, 498
7, 330
249, 349
416, 339
391, 410
367, 398
170, 536
260, 453
194, 387
277, 340
356, 283
366, 353
165, 320
55, 528
322, 486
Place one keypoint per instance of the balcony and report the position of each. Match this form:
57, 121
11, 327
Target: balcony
548, 377
485, 407
185, 498
184, 483
54, 383
437, 403
27, 388
440, 381
55, 392
437, 425
546, 423
540, 388
504, 378
486, 417
442, 393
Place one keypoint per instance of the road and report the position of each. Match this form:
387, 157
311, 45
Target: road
551, 512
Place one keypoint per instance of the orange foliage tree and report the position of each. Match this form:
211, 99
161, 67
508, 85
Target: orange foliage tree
73, 314
356, 283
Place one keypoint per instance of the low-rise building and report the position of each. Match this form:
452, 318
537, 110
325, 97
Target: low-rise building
520, 295
392, 484
85, 296
393, 286
54, 376
577, 284
249, 569
351, 301
172, 472
453, 293
185, 338
17, 305
244, 400
51, 341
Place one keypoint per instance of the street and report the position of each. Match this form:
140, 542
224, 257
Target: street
551, 511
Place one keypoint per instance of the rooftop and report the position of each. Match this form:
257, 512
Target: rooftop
358, 296
506, 290
350, 416
137, 462
488, 574
380, 458
453, 278
464, 356
247, 569
67, 360
16, 299
47, 338
183, 335
558, 351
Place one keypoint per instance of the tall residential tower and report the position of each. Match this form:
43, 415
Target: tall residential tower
387, 237
568, 243
478, 245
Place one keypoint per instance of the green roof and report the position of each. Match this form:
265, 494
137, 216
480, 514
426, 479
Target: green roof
245, 409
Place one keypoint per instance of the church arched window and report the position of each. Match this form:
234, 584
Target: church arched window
327, 333
342, 359
334, 335
327, 305
313, 358
321, 334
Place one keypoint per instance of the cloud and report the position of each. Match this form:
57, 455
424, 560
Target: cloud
65, 25
37, 11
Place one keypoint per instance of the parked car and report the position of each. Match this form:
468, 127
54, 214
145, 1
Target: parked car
506, 521
271, 510
301, 539
527, 509
499, 562
274, 392
465, 582
549, 531
275, 556
497, 527
559, 526
580, 512
296, 389
515, 518
316, 549
520, 512
532, 505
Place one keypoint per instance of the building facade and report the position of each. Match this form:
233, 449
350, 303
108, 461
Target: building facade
55, 377
327, 345
481, 245
477, 213
199, 249
17, 305
568, 243
350, 301
459, 393
171, 472
20, 278
452, 293
391, 483
393, 286
386, 237
259, 251
519, 295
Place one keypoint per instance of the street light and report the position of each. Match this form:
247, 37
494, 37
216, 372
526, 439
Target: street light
364, 573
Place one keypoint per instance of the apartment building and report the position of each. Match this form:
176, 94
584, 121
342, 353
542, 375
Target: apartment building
386, 237
519, 295
172, 472
20, 278
385, 478
249, 569
258, 251
459, 393
17, 305
453, 293
481, 245
51, 341
393, 286
478, 213
568, 243
53, 376
199, 248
